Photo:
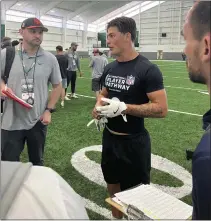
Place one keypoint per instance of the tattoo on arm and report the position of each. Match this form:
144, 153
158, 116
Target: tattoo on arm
146, 110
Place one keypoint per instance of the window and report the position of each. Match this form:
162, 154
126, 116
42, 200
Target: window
129, 10
20, 14
51, 21
92, 28
17, 16
75, 25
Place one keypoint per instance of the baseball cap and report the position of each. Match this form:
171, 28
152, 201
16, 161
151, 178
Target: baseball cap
74, 44
33, 23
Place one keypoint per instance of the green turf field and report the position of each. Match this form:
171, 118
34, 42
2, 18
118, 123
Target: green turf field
170, 136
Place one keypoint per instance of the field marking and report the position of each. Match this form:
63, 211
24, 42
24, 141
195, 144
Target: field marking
204, 92
169, 86
181, 112
97, 209
93, 172
176, 61
174, 111
185, 88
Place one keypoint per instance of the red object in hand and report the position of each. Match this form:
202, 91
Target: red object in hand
17, 99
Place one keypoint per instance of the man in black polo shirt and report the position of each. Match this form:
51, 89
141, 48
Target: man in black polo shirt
133, 89
63, 64
197, 34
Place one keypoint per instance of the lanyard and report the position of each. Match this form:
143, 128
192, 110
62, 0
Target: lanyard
32, 66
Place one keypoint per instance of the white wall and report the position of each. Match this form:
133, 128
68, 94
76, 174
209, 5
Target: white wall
167, 18
55, 37
91, 39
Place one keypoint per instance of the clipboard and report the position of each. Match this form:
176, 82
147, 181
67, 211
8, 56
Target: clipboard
148, 202
17, 99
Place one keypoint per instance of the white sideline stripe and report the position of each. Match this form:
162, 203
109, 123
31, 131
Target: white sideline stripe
181, 112
169, 61
174, 111
183, 88
203, 92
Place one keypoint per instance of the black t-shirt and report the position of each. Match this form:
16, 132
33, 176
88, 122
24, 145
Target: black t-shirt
130, 82
63, 64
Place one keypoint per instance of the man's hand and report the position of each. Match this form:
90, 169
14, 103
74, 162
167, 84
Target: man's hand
103, 94
80, 74
95, 114
4, 87
46, 117
114, 108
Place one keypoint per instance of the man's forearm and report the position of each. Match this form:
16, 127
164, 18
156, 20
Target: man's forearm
78, 65
2, 84
146, 110
55, 95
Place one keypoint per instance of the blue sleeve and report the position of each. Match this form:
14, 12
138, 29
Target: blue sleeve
201, 194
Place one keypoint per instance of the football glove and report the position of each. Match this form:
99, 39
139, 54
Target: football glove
114, 108
100, 124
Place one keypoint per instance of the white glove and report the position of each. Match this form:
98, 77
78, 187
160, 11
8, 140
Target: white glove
114, 108
100, 124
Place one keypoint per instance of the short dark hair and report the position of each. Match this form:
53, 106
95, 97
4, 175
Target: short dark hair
124, 25
59, 48
6, 39
15, 43
200, 19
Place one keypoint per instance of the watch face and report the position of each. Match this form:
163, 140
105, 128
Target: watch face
51, 110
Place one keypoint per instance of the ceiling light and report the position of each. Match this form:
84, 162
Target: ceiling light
52, 11
19, 4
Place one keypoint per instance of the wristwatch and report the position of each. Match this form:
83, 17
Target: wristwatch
51, 110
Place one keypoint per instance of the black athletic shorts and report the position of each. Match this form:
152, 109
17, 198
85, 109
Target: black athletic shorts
126, 159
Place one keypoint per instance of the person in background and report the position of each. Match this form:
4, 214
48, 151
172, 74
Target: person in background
20, 40
63, 64
6, 41
197, 33
73, 66
97, 64
103, 55
15, 43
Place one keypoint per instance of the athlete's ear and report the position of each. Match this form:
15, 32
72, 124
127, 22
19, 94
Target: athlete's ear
128, 36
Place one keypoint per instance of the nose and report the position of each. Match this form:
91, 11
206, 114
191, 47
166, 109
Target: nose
108, 42
37, 34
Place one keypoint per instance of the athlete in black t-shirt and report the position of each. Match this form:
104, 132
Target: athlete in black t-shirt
63, 64
133, 89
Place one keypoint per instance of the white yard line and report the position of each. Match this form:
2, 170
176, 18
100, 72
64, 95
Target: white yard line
169, 61
181, 112
203, 92
169, 86
185, 88
174, 111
